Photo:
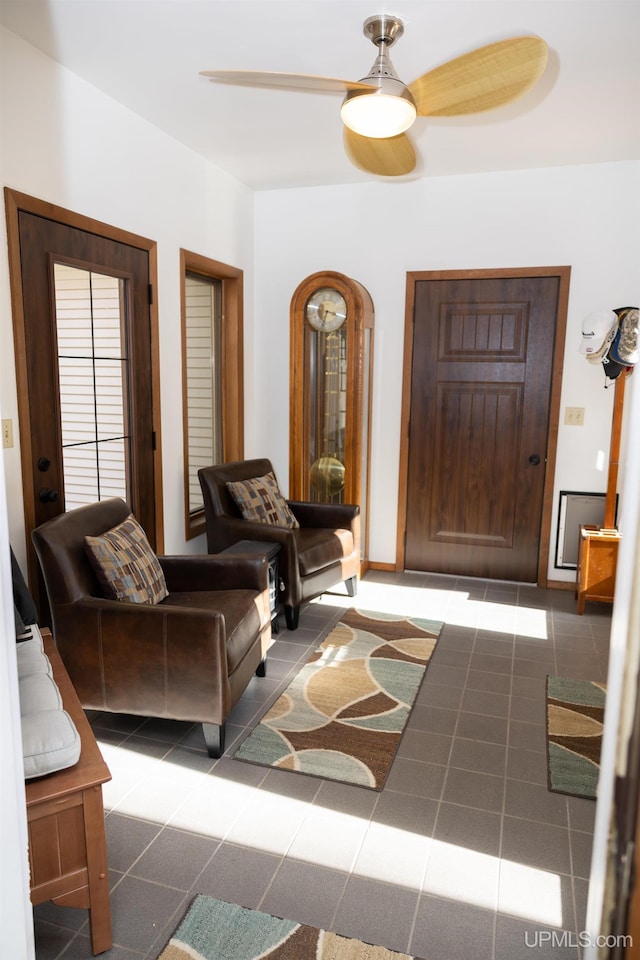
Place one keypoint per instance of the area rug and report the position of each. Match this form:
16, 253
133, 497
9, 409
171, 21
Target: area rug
575, 714
343, 715
215, 930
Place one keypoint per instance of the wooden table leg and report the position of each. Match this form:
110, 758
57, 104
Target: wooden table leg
98, 874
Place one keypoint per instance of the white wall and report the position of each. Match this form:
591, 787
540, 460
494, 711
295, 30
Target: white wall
65, 142
585, 217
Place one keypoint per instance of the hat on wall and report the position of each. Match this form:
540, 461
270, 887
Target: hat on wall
598, 330
624, 349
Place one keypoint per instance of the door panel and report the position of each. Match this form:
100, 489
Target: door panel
482, 360
86, 383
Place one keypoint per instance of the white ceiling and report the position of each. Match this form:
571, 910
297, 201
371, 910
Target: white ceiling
147, 55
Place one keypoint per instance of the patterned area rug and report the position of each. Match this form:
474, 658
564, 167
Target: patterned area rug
214, 930
343, 715
575, 714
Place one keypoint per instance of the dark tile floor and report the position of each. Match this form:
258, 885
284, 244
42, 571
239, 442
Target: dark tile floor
464, 855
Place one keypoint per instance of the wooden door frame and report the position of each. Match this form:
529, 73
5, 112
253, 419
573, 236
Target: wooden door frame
15, 203
413, 277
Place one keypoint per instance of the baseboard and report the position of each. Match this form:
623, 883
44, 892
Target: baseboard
560, 585
374, 565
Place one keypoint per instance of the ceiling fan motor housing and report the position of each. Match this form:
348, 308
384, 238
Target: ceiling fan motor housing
382, 80
383, 29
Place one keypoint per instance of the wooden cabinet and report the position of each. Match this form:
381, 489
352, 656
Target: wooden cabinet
597, 563
598, 552
65, 817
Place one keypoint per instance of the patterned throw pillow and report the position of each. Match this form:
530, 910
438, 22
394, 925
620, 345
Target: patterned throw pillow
125, 564
260, 500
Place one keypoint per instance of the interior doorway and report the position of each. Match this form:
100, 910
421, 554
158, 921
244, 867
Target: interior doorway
85, 332
481, 396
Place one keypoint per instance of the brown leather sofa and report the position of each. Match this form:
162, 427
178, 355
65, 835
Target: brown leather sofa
189, 657
322, 552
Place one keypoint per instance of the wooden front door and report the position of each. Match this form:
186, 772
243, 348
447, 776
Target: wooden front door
83, 333
479, 397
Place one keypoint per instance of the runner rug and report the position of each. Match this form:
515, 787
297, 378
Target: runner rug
215, 930
343, 715
575, 714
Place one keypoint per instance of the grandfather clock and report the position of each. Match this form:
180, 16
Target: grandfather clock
330, 383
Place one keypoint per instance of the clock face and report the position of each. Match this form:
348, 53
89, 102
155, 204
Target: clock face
326, 310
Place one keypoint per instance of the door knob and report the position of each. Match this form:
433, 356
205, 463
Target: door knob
48, 496
43, 464
534, 459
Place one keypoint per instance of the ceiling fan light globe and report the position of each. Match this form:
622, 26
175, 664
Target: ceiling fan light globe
378, 115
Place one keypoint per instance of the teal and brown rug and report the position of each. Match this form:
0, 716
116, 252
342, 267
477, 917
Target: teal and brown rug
575, 715
343, 715
215, 930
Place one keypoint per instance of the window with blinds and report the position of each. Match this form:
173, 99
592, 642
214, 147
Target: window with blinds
93, 376
203, 321
212, 374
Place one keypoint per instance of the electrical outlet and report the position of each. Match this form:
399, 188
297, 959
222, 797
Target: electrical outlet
7, 433
574, 416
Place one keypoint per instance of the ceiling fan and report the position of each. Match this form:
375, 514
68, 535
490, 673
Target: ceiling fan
379, 109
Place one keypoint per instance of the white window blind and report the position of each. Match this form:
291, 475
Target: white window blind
92, 379
204, 425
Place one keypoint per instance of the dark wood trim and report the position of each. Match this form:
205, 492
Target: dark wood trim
232, 368
614, 453
374, 565
560, 585
564, 274
15, 202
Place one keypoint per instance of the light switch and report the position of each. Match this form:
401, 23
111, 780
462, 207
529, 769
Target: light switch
7, 433
574, 416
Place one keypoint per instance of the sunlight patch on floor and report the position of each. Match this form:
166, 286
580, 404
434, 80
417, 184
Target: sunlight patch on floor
167, 793
454, 607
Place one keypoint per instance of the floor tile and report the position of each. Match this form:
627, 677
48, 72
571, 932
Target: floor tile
127, 839
479, 756
305, 892
463, 838
472, 789
140, 910
519, 939
414, 777
540, 845
174, 858
532, 801
490, 704
468, 828
476, 726
237, 875
433, 937
377, 913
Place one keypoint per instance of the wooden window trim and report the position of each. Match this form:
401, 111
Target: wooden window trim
232, 365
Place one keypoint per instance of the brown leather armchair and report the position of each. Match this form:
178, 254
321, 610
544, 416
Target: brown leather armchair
322, 552
189, 657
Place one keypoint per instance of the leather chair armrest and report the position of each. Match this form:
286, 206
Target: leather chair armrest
155, 660
239, 529
333, 515
215, 572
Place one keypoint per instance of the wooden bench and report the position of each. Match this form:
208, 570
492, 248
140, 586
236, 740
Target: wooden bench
65, 815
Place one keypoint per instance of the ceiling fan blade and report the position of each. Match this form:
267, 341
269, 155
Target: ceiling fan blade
297, 81
388, 157
482, 79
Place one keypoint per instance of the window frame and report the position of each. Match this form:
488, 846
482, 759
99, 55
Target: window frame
231, 367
